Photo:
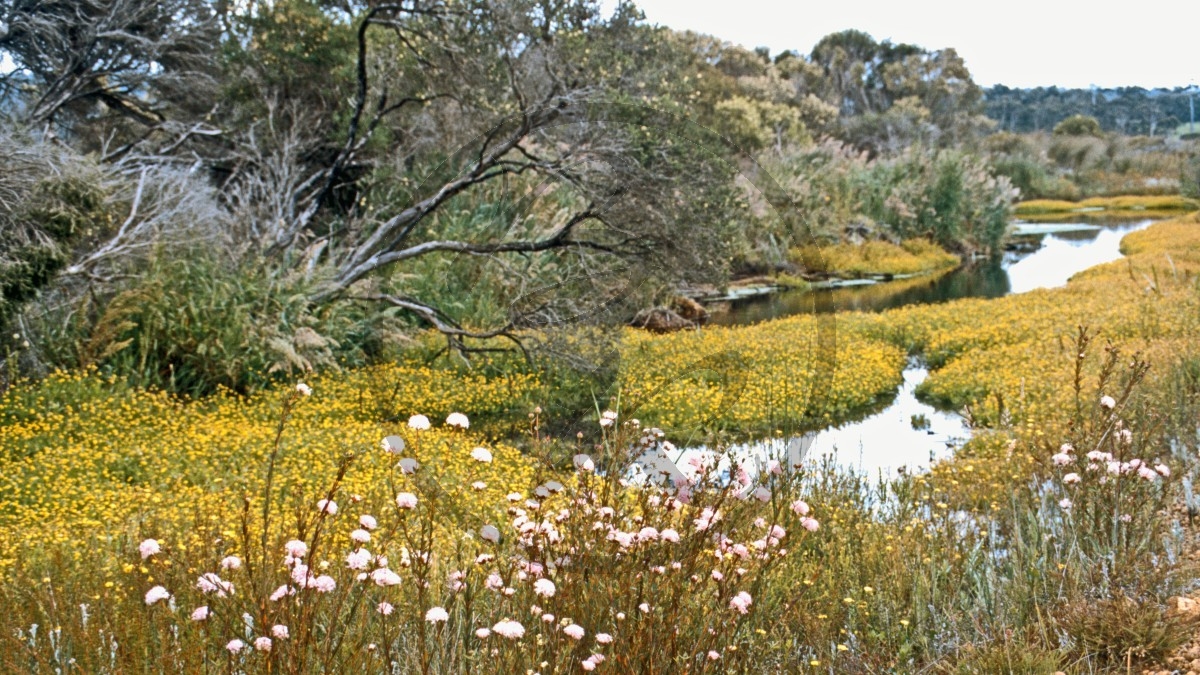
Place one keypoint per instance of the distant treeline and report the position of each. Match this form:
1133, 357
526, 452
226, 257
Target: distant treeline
1126, 110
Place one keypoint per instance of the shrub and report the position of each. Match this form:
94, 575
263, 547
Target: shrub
1078, 125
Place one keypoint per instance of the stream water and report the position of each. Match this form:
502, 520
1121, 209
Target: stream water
889, 439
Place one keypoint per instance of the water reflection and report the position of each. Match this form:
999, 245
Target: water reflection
1071, 248
887, 439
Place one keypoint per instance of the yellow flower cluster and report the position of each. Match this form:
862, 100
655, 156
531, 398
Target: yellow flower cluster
120, 458
916, 256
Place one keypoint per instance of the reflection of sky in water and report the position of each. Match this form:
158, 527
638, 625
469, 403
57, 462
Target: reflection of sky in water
1063, 254
886, 441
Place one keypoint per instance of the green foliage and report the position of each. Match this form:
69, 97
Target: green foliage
40, 225
1122, 629
1078, 125
193, 325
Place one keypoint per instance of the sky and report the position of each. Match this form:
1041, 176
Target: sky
1018, 43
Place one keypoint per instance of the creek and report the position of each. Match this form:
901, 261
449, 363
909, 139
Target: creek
907, 433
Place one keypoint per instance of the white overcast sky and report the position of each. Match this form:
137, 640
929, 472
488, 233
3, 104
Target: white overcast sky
1019, 43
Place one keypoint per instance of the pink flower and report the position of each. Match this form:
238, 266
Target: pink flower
544, 588
574, 631
800, 508
327, 506
296, 548
280, 592
280, 631
360, 536
810, 524
1071, 479
647, 534
234, 646
762, 494
324, 584
418, 423
200, 613
706, 519
209, 582
458, 420
155, 594
604, 638
1065, 504
644, 607
1062, 459
490, 533
717, 576
406, 500
1147, 473
669, 535
148, 548
1163, 470
231, 562
385, 577
385, 608
436, 614
512, 630
713, 656
482, 633
481, 455
367, 522
741, 602
262, 644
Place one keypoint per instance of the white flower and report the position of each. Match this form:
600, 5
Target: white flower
1107, 402
1065, 504
1062, 459
385, 608
436, 615
280, 631
304, 389
360, 536
490, 533
385, 577
231, 562
392, 444
574, 631
367, 522
418, 423
155, 594
263, 644
408, 465
200, 613
1071, 479
584, 463
481, 455
406, 500
544, 587
234, 646
358, 560
296, 548
458, 420
512, 630
148, 548
1163, 470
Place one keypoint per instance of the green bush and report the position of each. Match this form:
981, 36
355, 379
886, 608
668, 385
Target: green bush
193, 325
1078, 125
